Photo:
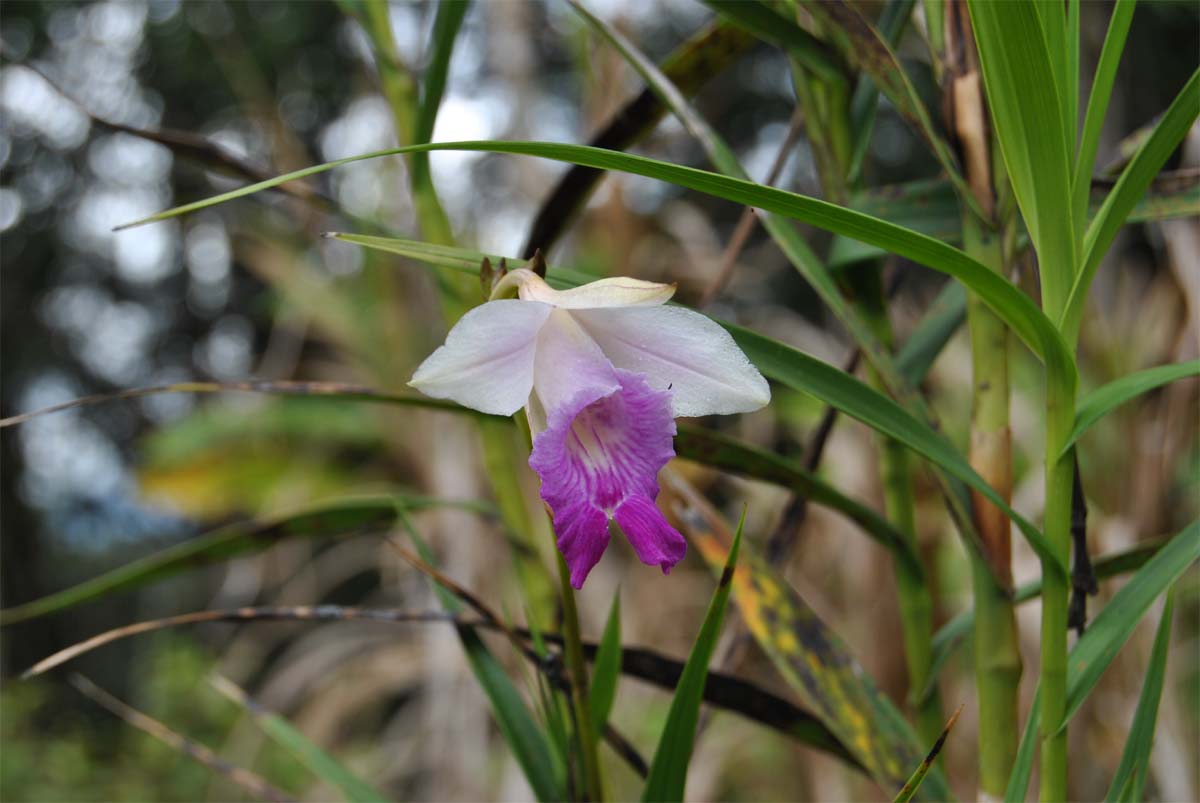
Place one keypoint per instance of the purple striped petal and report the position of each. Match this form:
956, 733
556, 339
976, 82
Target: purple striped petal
599, 458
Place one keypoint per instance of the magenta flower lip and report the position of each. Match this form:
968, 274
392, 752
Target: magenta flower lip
602, 371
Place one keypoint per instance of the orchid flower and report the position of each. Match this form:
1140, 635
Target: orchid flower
602, 371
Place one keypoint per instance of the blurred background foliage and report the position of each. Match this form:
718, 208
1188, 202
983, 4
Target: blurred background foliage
249, 290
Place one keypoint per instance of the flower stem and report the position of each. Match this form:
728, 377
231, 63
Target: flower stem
589, 761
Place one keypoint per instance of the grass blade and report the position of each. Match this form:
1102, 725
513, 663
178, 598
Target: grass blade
909, 790
1018, 782
1132, 184
943, 318
862, 45
337, 518
1112, 627
520, 731
811, 658
323, 765
606, 668
689, 67
1097, 107
1028, 112
1103, 400
1013, 306
1136, 755
668, 770
767, 23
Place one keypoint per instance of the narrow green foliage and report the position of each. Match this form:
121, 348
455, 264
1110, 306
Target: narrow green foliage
909, 790
837, 389
1130, 774
668, 770
1103, 400
1013, 306
768, 24
283, 733
520, 731
1018, 782
1097, 107
1130, 187
1113, 626
606, 669
332, 519
1021, 44
942, 319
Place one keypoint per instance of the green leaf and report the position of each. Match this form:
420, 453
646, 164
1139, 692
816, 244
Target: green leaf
909, 790
1112, 627
1013, 306
668, 770
446, 23
520, 731
789, 240
1130, 187
1103, 400
1097, 107
950, 635
863, 104
728, 454
606, 669
283, 733
862, 45
1018, 781
337, 518
943, 318
1021, 44
801, 372
1141, 733
810, 657
767, 23
858, 400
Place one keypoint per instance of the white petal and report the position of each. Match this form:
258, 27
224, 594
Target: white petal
487, 361
680, 348
619, 291
569, 366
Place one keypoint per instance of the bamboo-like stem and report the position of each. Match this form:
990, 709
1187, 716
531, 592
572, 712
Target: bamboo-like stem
1060, 477
996, 640
589, 761
997, 646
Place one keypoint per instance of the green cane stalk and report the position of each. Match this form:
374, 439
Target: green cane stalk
996, 641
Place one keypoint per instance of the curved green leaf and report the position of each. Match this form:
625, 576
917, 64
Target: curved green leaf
287, 736
1103, 400
337, 518
1115, 623
1136, 755
606, 668
1014, 307
668, 770
1132, 184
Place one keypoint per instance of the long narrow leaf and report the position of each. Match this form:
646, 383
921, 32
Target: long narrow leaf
1115, 623
1140, 740
606, 669
668, 770
520, 731
1132, 184
909, 790
1013, 306
1097, 107
1025, 75
1103, 400
767, 23
810, 657
337, 518
287, 736
1018, 781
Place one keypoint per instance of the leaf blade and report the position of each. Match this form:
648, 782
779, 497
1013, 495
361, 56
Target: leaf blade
1103, 400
